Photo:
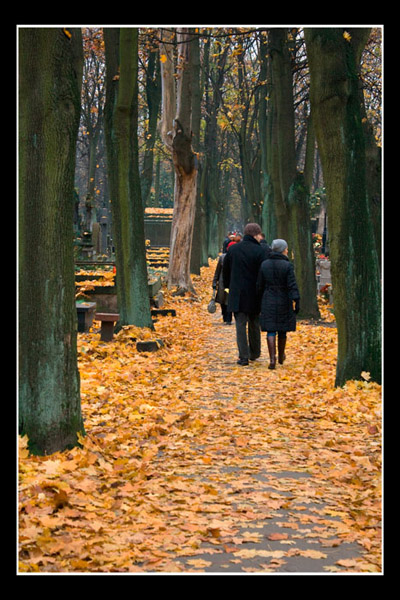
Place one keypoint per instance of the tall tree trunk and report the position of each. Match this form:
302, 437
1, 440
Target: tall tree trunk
179, 140
195, 259
50, 77
211, 173
301, 241
123, 175
153, 96
251, 209
309, 160
185, 165
249, 155
92, 164
268, 219
157, 201
282, 82
293, 209
335, 103
373, 178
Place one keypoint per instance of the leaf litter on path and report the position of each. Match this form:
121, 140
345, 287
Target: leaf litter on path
192, 463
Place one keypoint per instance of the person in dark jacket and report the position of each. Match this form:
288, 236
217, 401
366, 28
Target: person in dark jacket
240, 269
221, 296
264, 244
277, 291
227, 240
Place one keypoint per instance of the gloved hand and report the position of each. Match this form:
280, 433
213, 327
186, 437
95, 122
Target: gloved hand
296, 306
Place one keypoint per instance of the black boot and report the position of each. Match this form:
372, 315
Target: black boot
272, 351
281, 349
242, 361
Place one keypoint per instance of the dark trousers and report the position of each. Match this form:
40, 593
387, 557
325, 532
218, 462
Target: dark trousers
248, 335
227, 316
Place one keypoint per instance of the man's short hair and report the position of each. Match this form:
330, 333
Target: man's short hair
252, 229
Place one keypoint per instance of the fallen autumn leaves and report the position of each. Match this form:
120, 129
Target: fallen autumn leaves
193, 464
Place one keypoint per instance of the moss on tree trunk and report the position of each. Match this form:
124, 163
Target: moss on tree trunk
123, 171
293, 221
301, 240
355, 270
50, 72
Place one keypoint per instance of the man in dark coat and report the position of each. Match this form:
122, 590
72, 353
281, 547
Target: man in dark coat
240, 270
277, 290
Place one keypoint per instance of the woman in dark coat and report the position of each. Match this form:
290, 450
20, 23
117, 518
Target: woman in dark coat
277, 290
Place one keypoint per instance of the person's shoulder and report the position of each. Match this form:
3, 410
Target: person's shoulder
265, 263
233, 248
262, 251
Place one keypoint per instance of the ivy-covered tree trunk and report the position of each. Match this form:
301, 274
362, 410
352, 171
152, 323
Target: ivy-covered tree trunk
50, 76
333, 56
123, 175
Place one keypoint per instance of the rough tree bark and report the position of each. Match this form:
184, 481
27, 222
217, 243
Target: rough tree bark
334, 56
291, 196
123, 175
50, 75
153, 96
175, 129
268, 219
211, 175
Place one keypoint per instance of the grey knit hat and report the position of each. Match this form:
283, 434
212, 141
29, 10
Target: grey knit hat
279, 245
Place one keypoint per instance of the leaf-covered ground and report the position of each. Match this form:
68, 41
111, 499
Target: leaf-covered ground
194, 464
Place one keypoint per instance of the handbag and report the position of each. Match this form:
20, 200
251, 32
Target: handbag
212, 307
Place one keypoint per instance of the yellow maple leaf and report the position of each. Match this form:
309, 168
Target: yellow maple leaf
199, 563
313, 554
52, 467
86, 485
23, 446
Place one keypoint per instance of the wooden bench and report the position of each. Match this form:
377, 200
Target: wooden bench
107, 325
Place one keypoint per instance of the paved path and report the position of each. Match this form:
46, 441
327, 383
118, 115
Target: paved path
268, 511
